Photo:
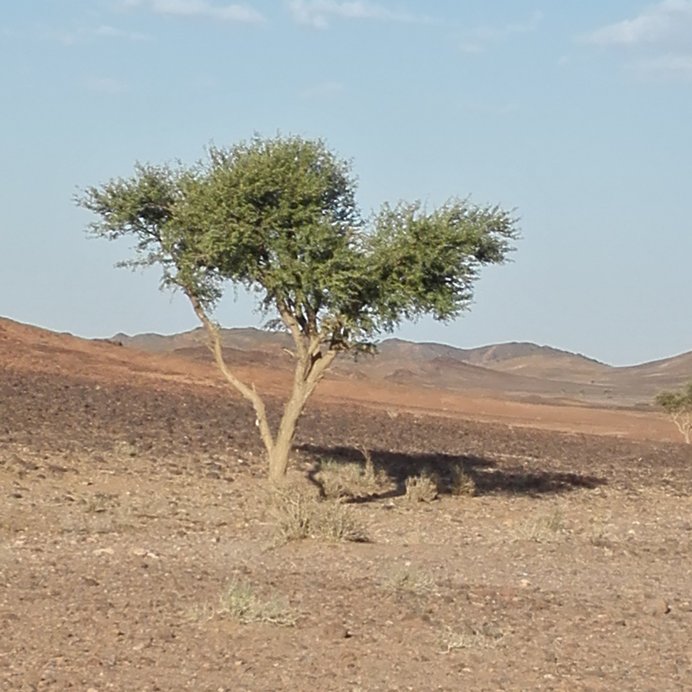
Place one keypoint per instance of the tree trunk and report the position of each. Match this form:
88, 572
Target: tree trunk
280, 452
278, 463
311, 365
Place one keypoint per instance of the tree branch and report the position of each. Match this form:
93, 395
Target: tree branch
320, 366
249, 393
683, 422
290, 321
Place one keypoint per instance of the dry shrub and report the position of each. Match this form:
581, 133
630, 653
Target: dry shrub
242, 603
300, 513
350, 479
339, 479
293, 509
460, 481
336, 522
422, 488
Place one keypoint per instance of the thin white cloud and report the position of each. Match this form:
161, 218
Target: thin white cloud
71, 37
233, 12
657, 41
107, 31
667, 66
481, 37
665, 23
320, 13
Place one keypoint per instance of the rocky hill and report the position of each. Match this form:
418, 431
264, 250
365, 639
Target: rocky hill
517, 369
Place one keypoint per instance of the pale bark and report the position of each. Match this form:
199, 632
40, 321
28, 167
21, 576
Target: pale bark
310, 366
248, 392
683, 422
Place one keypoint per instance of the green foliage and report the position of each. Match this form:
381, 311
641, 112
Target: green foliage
427, 262
676, 402
678, 405
278, 216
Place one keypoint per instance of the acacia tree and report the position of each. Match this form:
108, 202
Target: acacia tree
278, 217
678, 405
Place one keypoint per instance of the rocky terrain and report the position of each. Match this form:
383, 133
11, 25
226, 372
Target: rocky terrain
140, 548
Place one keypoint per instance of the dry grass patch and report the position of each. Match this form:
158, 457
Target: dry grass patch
340, 479
407, 580
485, 636
242, 603
300, 513
545, 528
599, 533
423, 487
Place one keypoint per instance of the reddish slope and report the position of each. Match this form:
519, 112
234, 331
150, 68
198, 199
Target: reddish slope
32, 350
516, 370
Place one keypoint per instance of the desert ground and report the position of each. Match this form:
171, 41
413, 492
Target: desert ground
140, 548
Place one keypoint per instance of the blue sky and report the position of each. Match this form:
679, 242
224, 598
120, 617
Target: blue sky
576, 114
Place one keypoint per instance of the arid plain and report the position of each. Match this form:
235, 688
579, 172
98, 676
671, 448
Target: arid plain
135, 521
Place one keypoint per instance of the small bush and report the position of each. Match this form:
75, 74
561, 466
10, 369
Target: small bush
422, 488
335, 522
242, 603
293, 513
340, 480
460, 481
299, 513
350, 479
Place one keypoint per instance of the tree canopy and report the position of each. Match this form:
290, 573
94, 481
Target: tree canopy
678, 405
279, 217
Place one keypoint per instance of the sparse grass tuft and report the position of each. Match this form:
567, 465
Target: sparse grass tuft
545, 528
242, 603
407, 580
422, 488
300, 514
599, 534
485, 636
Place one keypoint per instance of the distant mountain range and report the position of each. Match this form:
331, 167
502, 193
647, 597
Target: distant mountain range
520, 370
522, 384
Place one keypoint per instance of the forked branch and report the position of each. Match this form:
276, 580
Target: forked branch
249, 393
683, 422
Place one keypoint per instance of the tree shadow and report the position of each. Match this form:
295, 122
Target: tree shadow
487, 476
